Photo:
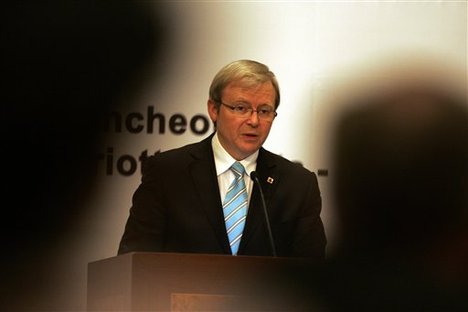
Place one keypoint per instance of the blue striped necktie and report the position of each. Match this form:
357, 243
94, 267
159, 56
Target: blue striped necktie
235, 207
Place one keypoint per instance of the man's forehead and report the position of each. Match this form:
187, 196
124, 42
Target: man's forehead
247, 85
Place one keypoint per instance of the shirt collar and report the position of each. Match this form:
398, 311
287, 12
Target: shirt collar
223, 161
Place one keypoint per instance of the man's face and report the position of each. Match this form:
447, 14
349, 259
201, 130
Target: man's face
242, 136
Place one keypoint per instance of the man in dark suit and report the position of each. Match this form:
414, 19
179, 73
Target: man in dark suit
179, 205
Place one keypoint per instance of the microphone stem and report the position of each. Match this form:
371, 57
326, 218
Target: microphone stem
267, 218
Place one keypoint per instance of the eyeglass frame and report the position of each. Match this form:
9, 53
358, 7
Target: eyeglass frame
249, 109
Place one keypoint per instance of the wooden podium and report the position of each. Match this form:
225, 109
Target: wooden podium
144, 281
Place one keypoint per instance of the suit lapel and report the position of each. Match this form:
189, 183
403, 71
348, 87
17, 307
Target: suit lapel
203, 173
267, 172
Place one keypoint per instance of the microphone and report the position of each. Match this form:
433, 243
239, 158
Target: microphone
254, 177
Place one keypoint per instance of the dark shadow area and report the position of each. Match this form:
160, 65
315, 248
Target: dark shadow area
400, 184
64, 66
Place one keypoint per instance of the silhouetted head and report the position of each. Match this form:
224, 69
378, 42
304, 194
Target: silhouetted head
401, 166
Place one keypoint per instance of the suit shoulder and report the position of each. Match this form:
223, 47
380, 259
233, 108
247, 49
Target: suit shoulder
287, 166
173, 158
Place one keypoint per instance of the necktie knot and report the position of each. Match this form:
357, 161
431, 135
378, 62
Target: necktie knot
238, 169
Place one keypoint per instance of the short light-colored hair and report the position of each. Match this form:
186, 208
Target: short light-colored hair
249, 72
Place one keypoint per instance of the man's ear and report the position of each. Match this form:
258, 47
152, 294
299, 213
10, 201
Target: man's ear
212, 110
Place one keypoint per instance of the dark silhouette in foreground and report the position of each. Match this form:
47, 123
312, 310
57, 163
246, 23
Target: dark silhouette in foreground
65, 65
400, 157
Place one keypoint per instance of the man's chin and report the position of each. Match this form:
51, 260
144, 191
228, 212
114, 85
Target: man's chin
250, 150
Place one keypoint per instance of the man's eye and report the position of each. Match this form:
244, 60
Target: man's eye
264, 110
240, 109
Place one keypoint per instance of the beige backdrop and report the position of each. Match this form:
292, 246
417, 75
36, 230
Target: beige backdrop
309, 45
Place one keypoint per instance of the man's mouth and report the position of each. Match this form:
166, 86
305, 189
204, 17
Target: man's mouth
250, 135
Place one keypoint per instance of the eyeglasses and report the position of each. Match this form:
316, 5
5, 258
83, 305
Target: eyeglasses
264, 112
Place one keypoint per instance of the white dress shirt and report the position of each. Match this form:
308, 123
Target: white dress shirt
224, 161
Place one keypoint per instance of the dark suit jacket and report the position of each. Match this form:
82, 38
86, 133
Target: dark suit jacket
177, 207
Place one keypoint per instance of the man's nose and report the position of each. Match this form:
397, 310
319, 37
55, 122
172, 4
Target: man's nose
253, 118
